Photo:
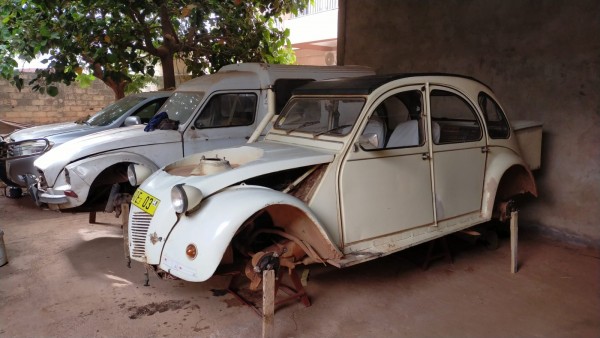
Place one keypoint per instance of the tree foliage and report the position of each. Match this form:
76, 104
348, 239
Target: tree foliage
112, 39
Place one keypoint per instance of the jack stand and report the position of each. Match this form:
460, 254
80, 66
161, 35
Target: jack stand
297, 292
444, 254
514, 238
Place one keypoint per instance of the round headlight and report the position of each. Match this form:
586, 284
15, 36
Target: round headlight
131, 175
137, 174
179, 199
185, 198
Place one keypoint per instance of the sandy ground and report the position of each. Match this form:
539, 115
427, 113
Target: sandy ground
68, 278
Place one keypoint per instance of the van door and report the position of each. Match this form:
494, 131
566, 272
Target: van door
385, 182
226, 120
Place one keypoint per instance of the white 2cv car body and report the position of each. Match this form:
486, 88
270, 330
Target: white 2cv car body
352, 170
213, 111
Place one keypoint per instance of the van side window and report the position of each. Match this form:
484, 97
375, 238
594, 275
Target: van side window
497, 126
228, 110
455, 116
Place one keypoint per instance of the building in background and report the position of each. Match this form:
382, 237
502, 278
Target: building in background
313, 33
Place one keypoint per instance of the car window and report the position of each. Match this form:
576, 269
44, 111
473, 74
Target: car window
113, 111
455, 118
497, 126
320, 116
181, 105
283, 91
395, 123
228, 110
147, 111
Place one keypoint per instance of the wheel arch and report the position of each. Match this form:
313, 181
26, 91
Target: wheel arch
507, 176
92, 168
214, 227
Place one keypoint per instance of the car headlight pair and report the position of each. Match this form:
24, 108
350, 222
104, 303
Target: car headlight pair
29, 147
185, 198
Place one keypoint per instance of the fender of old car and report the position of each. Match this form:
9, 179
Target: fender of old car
507, 175
212, 228
106, 168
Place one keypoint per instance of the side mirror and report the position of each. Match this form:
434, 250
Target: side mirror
369, 141
132, 121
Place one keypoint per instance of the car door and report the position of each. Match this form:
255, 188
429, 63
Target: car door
459, 155
385, 181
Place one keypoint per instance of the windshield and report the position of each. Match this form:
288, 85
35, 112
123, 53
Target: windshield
319, 116
181, 105
113, 111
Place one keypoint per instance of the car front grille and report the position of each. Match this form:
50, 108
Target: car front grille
140, 223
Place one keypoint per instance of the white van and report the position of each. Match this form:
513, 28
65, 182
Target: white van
210, 112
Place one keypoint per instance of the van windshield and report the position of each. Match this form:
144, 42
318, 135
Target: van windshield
318, 116
181, 105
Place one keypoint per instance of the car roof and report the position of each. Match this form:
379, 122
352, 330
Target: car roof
364, 85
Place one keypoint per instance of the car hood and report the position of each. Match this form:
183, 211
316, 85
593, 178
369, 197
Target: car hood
246, 162
53, 161
50, 131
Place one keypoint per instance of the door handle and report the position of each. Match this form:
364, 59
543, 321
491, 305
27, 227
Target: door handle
425, 156
485, 149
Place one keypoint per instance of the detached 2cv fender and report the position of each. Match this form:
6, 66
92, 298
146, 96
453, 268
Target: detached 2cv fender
198, 242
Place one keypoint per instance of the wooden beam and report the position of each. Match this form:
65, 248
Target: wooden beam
268, 304
514, 238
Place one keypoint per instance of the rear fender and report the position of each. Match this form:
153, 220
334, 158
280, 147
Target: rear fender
507, 176
212, 228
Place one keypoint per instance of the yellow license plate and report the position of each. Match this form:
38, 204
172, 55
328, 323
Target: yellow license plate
145, 201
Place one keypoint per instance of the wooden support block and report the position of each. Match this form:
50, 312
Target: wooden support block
92, 217
268, 312
125, 227
514, 238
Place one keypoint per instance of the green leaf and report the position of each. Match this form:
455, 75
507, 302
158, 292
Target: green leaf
52, 91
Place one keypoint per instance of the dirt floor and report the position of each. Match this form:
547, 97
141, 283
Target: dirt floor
68, 278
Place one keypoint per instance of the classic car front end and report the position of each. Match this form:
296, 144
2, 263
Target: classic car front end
186, 208
405, 159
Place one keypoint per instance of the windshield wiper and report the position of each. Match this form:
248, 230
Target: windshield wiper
332, 129
305, 124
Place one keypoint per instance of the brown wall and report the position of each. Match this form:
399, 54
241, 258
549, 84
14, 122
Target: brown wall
542, 58
71, 103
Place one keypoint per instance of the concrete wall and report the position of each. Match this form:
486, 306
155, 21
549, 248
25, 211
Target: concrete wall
542, 58
71, 103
